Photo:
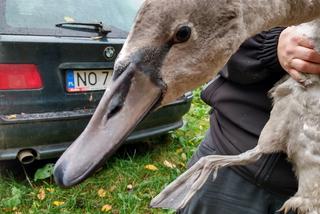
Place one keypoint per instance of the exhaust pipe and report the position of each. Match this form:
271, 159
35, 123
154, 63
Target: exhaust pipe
26, 156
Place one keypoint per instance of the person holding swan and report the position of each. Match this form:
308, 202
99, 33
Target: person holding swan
240, 109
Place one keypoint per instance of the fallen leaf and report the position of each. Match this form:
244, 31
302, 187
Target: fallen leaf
12, 116
112, 188
68, 19
106, 208
181, 164
51, 190
35, 205
58, 203
169, 164
178, 151
129, 187
41, 194
151, 167
102, 193
184, 156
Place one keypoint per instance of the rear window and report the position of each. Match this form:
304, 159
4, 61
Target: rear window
39, 17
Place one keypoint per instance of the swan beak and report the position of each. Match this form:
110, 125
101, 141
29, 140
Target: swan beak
131, 96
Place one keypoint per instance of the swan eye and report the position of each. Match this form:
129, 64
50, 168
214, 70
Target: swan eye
183, 34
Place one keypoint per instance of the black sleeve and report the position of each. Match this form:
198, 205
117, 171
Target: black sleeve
255, 60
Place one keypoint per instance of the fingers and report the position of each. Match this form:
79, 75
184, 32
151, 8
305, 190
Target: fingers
296, 75
296, 54
306, 54
303, 41
300, 77
305, 66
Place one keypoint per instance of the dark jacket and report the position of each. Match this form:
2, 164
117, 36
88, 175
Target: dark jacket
241, 107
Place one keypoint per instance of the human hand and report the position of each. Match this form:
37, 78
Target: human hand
296, 54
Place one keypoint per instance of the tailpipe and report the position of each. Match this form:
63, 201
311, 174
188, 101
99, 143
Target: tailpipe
26, 156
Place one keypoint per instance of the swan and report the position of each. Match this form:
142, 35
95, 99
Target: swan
293, 128
173, 47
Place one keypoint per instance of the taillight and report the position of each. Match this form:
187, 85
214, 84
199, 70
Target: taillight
19, 77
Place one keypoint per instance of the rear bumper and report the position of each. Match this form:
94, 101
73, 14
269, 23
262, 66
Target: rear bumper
50, 133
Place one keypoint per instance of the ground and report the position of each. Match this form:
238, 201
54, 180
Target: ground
126, 184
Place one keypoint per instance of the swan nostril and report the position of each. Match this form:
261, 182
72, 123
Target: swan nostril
119, 69
115, 105
119, 97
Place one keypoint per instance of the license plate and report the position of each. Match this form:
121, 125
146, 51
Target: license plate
87, 80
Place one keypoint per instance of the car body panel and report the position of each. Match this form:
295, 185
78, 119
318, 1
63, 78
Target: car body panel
30, 131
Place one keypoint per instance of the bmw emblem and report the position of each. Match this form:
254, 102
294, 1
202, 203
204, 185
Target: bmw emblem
109, 52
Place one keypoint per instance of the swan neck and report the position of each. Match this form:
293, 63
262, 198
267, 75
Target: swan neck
265, 14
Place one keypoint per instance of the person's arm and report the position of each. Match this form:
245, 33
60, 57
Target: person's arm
296, 54
256, 59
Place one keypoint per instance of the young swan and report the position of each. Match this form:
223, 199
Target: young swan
293, 128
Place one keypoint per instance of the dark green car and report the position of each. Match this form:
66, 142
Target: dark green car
56, 58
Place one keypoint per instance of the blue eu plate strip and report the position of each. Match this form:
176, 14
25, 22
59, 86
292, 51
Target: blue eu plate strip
70, 79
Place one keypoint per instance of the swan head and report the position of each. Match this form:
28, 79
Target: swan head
183, 43
173, 47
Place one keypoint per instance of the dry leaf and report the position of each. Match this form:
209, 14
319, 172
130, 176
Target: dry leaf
169, 164
106, 208
181, 164
102, 193
184, 156
41, 194
112, 188
12, 116
90, 98
58, 203
68, 19
129, 187
151, 167
51, 190
178, 151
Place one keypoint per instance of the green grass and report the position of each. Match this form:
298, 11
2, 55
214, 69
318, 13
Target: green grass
127, 167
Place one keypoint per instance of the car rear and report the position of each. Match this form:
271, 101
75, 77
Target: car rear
52, 78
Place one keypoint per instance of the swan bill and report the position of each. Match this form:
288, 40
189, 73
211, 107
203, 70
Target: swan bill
132, 95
